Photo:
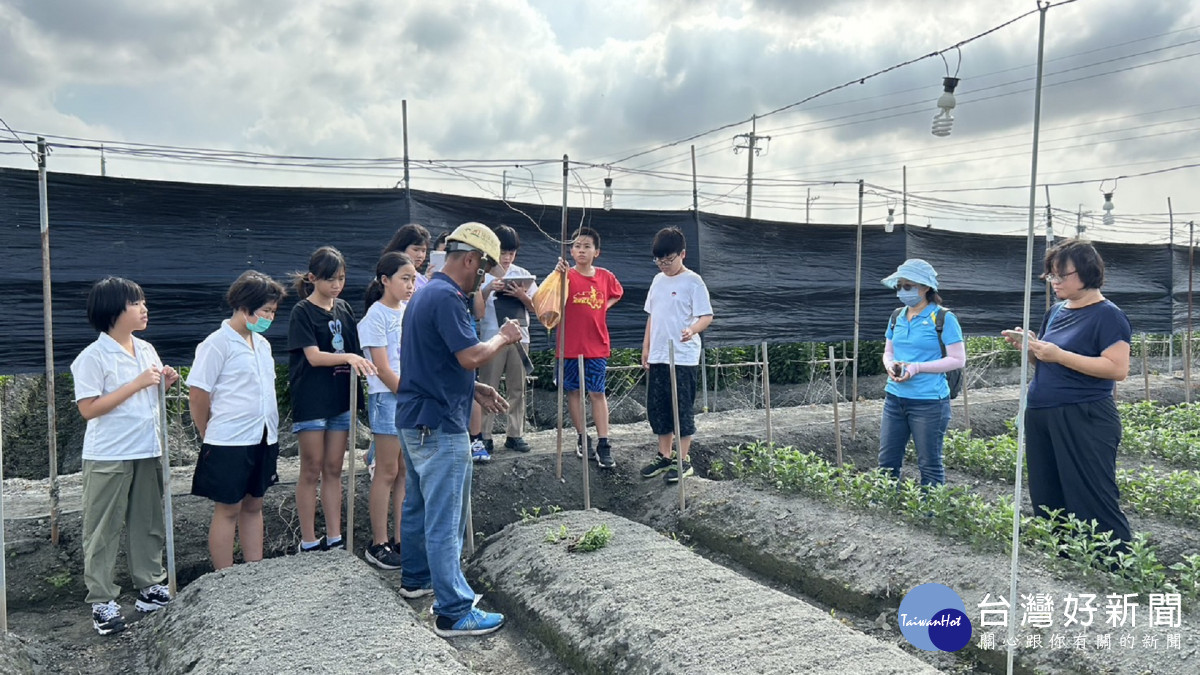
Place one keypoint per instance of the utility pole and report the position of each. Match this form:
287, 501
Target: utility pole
103, 169
749, 142
504, 186
1079, 228
808, 200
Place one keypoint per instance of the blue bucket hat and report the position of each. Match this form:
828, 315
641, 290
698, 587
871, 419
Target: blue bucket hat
915, 270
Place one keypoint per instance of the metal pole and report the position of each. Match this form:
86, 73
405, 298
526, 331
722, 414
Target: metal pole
807, 203
587, 485
168, 514
562, 326
1024, 400
857, 306
905, 188
504, 185
675, 416
1145, 368
1187, 349
703, 356
404, 126
348, 537
766, 377
48, 336
837, 422
1171, 251
3, 558
716, 377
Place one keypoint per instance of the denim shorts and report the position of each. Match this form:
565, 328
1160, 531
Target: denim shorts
335, 423
382, 411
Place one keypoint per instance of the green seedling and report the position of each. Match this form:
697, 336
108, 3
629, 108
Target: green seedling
594, 539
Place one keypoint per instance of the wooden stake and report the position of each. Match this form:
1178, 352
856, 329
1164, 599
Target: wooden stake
1145, 368
966, 407
766, 382
168, 515
348, 535
3, 558
837, 422
675, 414
48, 331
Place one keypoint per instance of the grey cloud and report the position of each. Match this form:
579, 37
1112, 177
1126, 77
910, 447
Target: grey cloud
432, 29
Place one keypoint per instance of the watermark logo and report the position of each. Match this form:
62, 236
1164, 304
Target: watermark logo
932, 617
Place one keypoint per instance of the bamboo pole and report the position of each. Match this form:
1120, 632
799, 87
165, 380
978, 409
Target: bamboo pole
675, 415
587, 485
48, 333
168, 513
348, 536
766, 383
837, 422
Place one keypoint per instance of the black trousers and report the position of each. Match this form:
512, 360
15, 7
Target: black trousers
1071, 453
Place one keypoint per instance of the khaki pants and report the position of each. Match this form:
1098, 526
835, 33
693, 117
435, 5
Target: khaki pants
508, 364
117, 494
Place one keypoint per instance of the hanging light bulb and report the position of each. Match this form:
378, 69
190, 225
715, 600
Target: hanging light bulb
608, 193
1108, 209
944, 120
890, 225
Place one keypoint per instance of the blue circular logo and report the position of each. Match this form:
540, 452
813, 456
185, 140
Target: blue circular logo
932, 617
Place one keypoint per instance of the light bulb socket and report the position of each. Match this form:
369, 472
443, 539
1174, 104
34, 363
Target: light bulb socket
608, 182
949, 83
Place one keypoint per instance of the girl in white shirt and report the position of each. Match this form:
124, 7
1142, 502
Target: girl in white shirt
379, 335
232, 399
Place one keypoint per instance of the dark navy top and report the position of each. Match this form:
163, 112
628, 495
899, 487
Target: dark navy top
1087, 331
435, 391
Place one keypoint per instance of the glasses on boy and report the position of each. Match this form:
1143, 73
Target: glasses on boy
666, 261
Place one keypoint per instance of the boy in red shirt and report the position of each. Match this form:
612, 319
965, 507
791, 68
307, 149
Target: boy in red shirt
591, 291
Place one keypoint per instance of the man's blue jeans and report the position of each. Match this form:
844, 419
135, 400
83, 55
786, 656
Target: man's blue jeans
432, 521
925, 421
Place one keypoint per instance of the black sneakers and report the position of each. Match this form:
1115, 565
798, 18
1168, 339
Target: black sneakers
604, 456
153, 598
673, 472
106, 618
517, 444
579, 447
383, 556
658, 466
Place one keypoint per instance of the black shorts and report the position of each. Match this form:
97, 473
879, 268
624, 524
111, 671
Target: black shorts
658, 399
228, 473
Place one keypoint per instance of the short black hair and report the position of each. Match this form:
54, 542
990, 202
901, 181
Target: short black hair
108, 299
324, 263
254, 290
411, 234
441, 239
587, 232
669, 241
1089, 266
509, 240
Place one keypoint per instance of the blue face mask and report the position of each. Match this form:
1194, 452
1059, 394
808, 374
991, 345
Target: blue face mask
260, 327
910, 298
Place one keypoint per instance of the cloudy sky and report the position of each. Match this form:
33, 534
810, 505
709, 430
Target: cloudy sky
504, 88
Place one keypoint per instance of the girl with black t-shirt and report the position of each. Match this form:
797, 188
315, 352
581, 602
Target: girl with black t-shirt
322, 349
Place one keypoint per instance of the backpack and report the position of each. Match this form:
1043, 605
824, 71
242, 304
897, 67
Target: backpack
953, 377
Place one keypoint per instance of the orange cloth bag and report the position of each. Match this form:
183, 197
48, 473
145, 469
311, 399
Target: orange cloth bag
548, 300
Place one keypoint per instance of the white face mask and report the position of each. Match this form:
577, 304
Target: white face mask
910, 298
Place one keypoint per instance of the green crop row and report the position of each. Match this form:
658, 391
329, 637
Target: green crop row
958, 512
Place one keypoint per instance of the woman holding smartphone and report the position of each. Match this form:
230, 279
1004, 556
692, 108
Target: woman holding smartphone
917, 402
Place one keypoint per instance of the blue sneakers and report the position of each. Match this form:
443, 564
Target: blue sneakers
479, 452
476, 622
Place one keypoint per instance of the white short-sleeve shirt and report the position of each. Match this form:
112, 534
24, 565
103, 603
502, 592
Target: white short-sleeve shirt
129, 431
241, 383
380, 327
674, 303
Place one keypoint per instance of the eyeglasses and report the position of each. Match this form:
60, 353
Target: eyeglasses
667, 261
1057, 278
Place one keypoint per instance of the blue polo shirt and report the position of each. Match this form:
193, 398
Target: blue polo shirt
916, 341
1087, 331
435, 391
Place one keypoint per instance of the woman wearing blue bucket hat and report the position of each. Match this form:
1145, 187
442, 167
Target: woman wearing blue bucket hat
917, 401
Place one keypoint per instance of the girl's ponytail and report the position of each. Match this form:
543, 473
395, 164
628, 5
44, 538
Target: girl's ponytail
374, 293
387, 266
324, 263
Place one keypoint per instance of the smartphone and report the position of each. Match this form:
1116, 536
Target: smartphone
897, 370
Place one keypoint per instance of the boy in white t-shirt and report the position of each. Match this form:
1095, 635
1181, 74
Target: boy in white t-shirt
514, 285
679, 309
116, 390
